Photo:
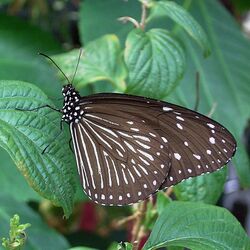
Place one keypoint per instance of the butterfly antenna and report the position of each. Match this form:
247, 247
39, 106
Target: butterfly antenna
78, 61
55, 65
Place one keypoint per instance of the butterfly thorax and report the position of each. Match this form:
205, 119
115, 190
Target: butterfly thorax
71, 106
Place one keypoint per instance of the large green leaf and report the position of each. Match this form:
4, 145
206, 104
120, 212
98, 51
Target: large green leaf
197, 226
224, 75
24, 135
183, 18
206, 188
101, 60
155, 61
39, 235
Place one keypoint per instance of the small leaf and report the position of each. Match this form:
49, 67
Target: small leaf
206, 188
39, 236
162, 202
155, 62
184, 19
124, 246
197, 226
24, 135
101, 60
17, 234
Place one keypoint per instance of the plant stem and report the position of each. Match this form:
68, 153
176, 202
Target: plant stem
143, 16
137, 230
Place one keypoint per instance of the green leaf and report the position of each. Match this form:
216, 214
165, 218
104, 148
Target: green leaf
197, 226
101, 60
39, 235
178, 14
155, 62
206, 188
124, 246
21, 191
150, 216
17, 235
224, 78
24, 135
162, 202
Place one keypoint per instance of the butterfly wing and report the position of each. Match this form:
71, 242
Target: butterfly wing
120, 158
128, 147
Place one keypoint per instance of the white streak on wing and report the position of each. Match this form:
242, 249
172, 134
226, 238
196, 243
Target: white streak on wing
119, 152
130, 146
124, 134
143, 145
143, 169
143, 160
86, 154
131, 175
116, 142
124, 176
149, 156
101, 127
102, 119
80, 166
116, 174
136, 170
95, 153
104, 141
135, 129
109, 131
144, 138
110, 179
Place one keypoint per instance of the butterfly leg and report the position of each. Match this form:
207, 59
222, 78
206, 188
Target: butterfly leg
70, 146
61, 129
37, 108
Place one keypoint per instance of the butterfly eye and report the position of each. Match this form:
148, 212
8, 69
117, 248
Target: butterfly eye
129, 147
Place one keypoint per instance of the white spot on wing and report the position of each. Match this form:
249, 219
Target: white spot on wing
177, 156
166, 109
212, 140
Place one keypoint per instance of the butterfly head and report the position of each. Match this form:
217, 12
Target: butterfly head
71, 109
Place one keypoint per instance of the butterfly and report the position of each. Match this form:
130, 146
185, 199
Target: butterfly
129, 147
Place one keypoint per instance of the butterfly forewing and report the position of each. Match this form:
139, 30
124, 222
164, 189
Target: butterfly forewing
128, 147
121, 159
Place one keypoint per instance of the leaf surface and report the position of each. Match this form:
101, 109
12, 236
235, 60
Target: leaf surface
197, 226
25, 134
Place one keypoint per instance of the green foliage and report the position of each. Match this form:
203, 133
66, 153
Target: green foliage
101, 60
39, 236
155, 60
179, 15
224, 81
162, 201
17, 234
24, 135
152, 62
197, 226
206, 188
